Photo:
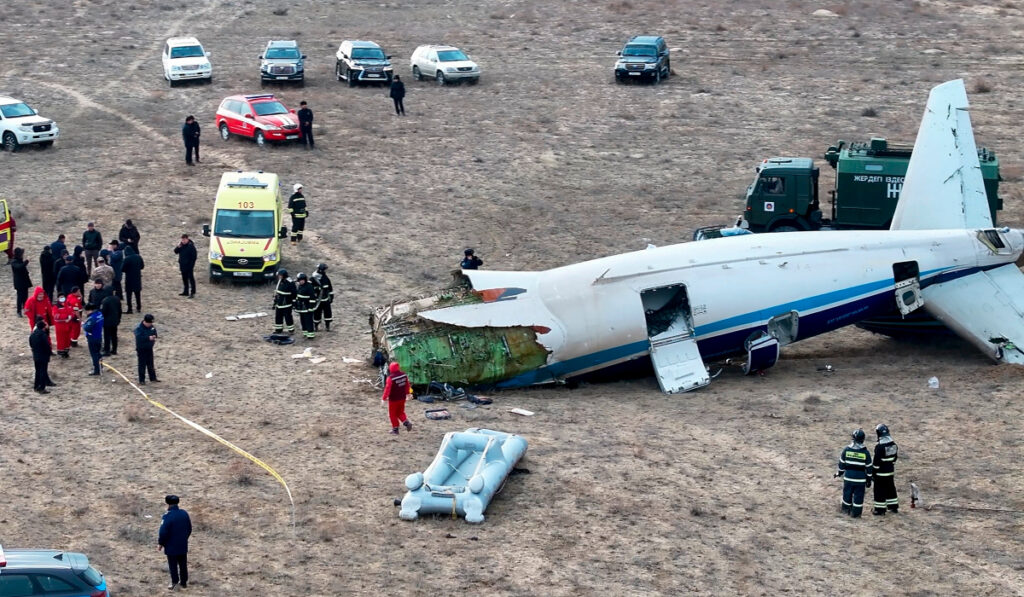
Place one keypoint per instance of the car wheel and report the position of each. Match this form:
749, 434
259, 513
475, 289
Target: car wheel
260, 139
46, 144
10, 142
337, 71
224, 132
416, 74
170, 82
351, 79
473, 81
302, 82
263, 83
657, 76
440, 78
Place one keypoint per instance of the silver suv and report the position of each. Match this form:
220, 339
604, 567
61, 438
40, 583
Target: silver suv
49, 572
362, 62
282, 61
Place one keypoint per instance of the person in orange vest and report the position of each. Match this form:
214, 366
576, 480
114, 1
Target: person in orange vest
396, 391
74, 300
63, 314
39, 305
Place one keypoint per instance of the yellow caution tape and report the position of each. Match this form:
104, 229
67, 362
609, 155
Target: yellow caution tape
209, 433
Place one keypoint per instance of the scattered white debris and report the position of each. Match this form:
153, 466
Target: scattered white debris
350, 360
305, 354
933, 382
209, 375
147, 516
933, 51
317, 360
521, 411
309, 370
245, 316
823, 12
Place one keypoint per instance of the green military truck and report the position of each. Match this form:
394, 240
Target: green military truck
869, 178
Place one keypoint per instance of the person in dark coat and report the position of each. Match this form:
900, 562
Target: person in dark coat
78, 257
470, 260
129, 235
46, 263
22, 281
145, 339
132, 270
58, 247
190, 134
116, 261
92, 242
69, 276
39, 341
186, 251
98, 292
58, 263
93, 327
175, 530
397, 94
111, 309
306, 124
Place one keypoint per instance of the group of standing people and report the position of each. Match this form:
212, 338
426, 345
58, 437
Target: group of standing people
309, 296
859, 470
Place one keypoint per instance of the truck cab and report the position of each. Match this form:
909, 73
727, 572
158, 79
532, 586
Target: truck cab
784, 196
869, 179
246, 227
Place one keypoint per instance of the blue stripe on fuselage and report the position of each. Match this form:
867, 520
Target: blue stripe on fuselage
731, 343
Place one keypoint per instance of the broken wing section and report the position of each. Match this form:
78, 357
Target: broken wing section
466, 335
944, 188
986, 309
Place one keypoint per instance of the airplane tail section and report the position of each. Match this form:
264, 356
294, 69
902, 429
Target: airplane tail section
944, 188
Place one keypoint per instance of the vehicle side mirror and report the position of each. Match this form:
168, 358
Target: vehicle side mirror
206, 230
250, 116
292, 110
283, 232
207, 54
619, 53
260, 56
303, 56
35, 112
388, 57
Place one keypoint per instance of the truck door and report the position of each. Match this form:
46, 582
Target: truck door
674, 354
6, 227
908, 286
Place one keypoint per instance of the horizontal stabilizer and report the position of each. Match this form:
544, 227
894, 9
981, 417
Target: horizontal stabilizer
986, 309
944, 188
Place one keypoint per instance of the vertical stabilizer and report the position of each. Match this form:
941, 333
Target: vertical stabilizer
944, 188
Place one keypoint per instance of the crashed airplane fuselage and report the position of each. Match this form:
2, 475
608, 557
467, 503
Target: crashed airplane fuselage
686, 304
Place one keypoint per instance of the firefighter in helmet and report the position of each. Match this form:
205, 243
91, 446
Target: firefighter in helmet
855, 467
886, 453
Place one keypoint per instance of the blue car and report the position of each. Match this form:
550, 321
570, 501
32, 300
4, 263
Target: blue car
32, 572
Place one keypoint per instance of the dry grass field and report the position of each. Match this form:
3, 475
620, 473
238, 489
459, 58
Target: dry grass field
727, 490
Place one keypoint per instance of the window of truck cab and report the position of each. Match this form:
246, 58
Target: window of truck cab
244, 222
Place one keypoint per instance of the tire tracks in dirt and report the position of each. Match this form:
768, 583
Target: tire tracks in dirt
228, 161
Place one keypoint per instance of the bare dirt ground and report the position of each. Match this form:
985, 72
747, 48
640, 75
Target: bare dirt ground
727, 490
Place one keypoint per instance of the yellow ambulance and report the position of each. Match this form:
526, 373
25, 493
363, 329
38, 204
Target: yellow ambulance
246, 228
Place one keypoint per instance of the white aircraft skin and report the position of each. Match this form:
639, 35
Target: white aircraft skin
591, 315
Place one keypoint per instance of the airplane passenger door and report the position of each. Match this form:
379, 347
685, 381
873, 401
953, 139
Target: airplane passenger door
908, 286
674, 354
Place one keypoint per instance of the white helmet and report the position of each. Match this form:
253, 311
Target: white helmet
296, 187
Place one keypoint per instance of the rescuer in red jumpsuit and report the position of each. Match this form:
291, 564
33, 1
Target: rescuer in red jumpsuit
38, 304
63, 314
75, 302
396, 390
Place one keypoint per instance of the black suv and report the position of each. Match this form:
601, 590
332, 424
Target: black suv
643, 57
30, 572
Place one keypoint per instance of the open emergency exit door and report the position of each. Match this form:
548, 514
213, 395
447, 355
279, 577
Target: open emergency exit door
674, 354
908, 286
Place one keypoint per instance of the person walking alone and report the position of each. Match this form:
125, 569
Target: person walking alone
190, 134
306, 124
22, 281
131, 268
92, 242
39, 341
297, 208
396, 392
397, 94
175, 529
186, 251
145, 339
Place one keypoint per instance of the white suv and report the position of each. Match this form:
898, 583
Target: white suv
20, 125
444, 64
185, 60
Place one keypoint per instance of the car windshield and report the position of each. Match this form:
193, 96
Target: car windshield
639, 51
276, 53
268, 108
187, 52
372, 53
15, 110
244, 223
451, 56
